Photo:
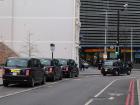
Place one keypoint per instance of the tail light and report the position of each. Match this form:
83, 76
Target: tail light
50, 70
27, 72
67, 68
3, 71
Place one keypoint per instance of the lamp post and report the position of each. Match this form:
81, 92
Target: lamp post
131, 44
106, 32
52, 46
118, 31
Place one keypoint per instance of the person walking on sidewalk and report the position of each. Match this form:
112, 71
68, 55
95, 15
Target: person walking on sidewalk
81, 66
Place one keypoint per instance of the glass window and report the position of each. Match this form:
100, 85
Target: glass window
36, 63
108, 63
45, 62
63, 62
17, 62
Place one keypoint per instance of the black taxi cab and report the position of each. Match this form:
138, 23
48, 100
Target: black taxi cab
52, 69
23, 70
69, 68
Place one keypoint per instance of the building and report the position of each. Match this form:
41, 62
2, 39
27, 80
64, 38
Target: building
30, 26
99, 28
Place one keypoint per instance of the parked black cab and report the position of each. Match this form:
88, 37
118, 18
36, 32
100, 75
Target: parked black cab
52, 69
23, 70
69, 68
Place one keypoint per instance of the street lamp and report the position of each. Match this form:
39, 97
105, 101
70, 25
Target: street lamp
118, 30
52, 46
131, 44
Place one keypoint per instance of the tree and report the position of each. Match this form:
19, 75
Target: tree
29, 48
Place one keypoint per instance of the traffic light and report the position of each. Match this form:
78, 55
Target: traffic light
117, 51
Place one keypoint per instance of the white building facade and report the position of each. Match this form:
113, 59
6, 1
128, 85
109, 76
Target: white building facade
41, 22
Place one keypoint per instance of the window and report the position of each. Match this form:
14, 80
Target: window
16, 62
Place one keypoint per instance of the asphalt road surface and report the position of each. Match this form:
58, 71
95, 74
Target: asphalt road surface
90, 88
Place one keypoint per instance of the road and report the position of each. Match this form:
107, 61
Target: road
90, 88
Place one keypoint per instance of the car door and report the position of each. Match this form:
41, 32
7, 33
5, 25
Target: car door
36, 70
121, 66
71, 62
74, 67
32, 68
57, 68
40, 70
53, 64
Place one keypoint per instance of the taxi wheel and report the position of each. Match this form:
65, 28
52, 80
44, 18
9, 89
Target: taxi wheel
128, 72
116, 73
104, 74
43, 80
5, 83
77, 74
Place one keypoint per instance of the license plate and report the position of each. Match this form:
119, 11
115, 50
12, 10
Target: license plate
15, 70
14, 74
106, 70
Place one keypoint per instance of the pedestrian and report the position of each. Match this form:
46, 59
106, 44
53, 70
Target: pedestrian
82, 67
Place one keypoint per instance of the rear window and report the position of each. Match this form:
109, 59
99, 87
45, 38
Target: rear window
63, 62
16, 62
45, 62
108, 63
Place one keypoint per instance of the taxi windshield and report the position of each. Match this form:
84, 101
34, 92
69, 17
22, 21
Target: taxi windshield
16, 62
108, 63
45, 62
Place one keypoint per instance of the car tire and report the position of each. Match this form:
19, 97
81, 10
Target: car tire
77, 74
103, 73
128, 72
5, 83
43, 80
116, 73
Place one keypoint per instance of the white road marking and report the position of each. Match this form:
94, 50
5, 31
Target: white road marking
105, 88
115, 94
138, 89
89, 102
98, 94
111, 98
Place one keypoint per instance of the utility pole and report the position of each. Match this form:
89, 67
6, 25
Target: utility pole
118, 30
118, 36
131, 44
106, 30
